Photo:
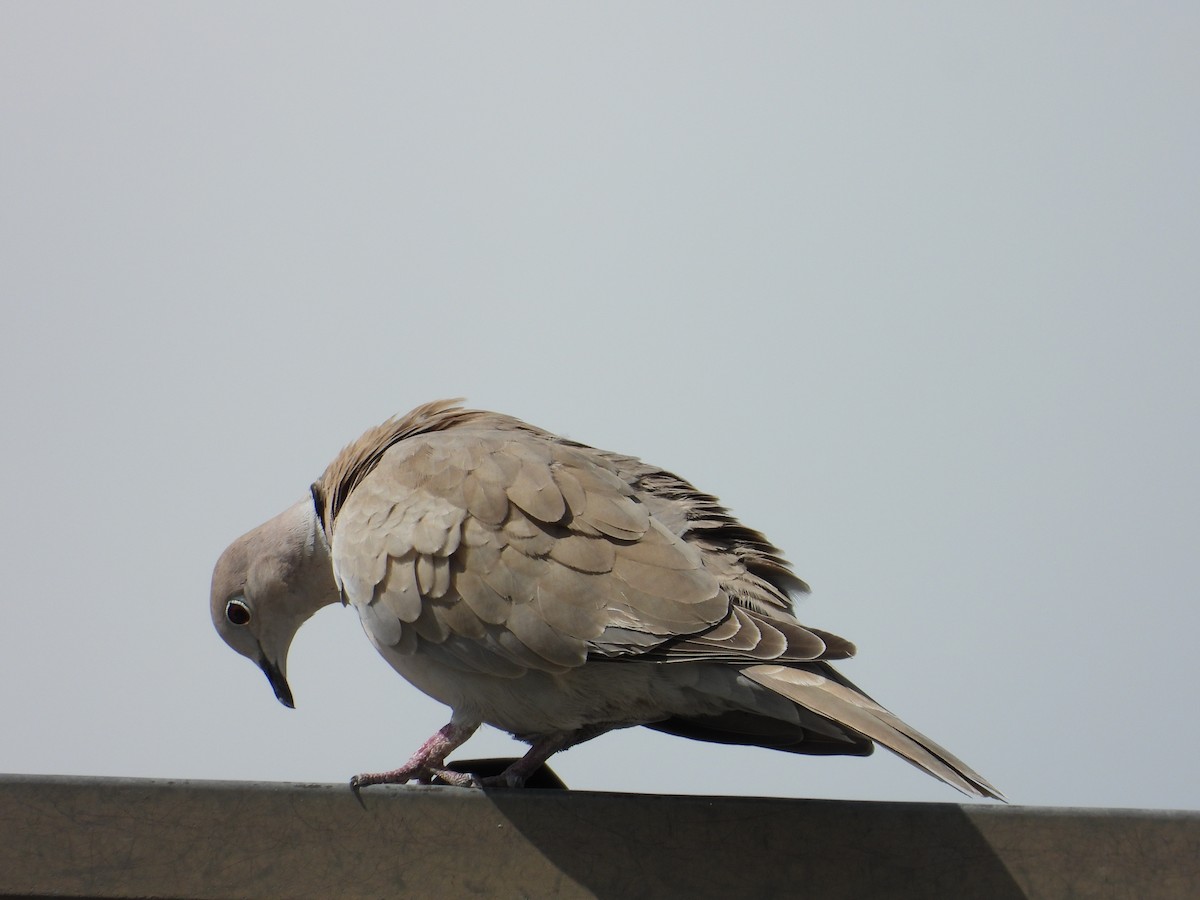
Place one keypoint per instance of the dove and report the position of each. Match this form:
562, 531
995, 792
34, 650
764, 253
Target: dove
554, 591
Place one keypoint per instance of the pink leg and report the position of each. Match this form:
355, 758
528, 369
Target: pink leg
427, 762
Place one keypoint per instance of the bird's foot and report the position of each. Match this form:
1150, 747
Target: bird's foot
397, 776
419, 774
506, 779
459, 779
427, 763
514, 776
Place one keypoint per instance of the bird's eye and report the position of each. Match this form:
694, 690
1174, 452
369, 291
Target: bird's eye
237, 612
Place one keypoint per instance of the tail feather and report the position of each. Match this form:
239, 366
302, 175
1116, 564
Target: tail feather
838, 700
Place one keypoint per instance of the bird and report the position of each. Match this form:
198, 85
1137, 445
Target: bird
555, 591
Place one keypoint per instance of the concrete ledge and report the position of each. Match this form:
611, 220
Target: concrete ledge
94, 837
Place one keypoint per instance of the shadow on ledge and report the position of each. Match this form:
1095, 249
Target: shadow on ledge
619, 846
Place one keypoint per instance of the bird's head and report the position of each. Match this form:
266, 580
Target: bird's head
267, 583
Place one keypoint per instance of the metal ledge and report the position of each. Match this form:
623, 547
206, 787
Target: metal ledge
101, 837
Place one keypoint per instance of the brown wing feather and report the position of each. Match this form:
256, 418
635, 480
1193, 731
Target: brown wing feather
554, 580
838, 700
752, 569
508, 486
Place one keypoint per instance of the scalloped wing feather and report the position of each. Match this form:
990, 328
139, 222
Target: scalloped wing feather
550, 573
477, 506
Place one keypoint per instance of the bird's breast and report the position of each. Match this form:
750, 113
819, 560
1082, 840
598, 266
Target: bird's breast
534, 703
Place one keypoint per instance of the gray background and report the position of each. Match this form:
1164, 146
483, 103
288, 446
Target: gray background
914, 289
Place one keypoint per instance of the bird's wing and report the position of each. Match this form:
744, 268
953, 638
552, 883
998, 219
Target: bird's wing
752, 570
828, 694
515, 552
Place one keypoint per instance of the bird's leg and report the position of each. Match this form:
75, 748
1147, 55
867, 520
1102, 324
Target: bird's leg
427, 762
518, 773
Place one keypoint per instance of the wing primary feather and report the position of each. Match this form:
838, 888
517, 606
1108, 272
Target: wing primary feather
847, 706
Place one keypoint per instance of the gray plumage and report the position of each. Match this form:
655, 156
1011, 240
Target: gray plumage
555, 591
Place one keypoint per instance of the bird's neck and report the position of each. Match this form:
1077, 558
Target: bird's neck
316, 562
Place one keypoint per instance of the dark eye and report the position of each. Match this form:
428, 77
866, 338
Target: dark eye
237, 612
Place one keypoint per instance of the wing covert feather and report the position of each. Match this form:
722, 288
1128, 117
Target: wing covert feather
584, 554
484, 602
529, 627
399, 592
534, 491
539, 551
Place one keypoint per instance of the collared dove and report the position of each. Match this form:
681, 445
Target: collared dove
555, 591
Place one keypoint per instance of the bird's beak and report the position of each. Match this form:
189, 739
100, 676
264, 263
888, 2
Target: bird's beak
283, 693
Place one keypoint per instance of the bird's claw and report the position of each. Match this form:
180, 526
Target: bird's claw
458, 779
399, 776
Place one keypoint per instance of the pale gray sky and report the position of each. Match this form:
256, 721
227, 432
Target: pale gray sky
914, 288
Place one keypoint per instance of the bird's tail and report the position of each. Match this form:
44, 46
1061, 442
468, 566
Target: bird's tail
833, 697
